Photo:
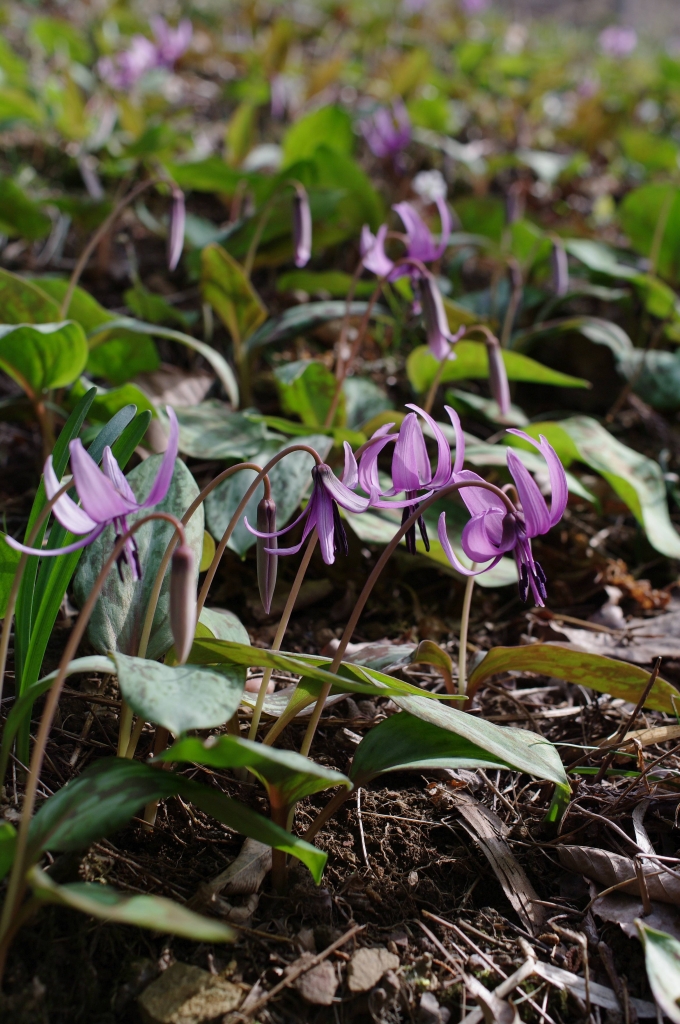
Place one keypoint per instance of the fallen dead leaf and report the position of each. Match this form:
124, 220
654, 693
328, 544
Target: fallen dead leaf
243, 877
367, 967
640, 640
609, 869
487, 829
172, 385
494, 1009
622, 909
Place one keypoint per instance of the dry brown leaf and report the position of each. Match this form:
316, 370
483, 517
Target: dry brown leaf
185, 994
647, 737
171, 385
243, 877
640, 641
600, 995
367, 967
487, 829
622, 910
318, 985
609, 869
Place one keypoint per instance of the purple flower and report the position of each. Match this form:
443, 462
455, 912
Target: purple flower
618, 41
177, 223
106, 498
420, 243
475, 6
439, 337
493, 530
171, 43
387, 132
124, 70
322, 512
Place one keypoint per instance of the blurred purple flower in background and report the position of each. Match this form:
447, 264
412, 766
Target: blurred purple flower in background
420, 242
388, 132
124, 69
475, 6
618, 41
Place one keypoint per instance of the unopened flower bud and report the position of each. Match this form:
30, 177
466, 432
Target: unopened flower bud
183, 601
439, 337
177, 222
560, 269
498, 378
302, 226
267, 563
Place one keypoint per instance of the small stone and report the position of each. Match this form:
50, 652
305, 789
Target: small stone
185, 994
367, 967
318, 985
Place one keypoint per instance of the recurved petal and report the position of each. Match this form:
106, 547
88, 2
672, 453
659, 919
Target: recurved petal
350, 475
161, 484
558, 478
460, 439
443, 472
116, 475
65, 510
410, 463
335, 488
97, 494
451, 554
52, 552
373, 252
478, 499
445, 215
536, 515
421, 244
482, 536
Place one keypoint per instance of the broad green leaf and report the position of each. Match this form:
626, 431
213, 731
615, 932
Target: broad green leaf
20, 215
428, 735
291, 480
336, 283
57, 34
9, 561
24, 302
207, 552
662, 960
302, 319
637, 480
222, 625
214, 175
595, 329
606, 675
211, 355
180, 697
108, 793
107, 904
155, 308
655, 376
658, 298
287, 776
364, 400
656, 152
225, 286
350, 678
240, 132
648, 210
472, 362
118, 617
468, 403
329, 126
118, 358
17, 105
210, 430
306, 389
109, 401
43, 356
21, 708
8, 838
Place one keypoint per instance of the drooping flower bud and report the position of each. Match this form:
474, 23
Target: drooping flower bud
177, 222
182, 601
439, 337
560, 269
267, 562
302, 226
498, 378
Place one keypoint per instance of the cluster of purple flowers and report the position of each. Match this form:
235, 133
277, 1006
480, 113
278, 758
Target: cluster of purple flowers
124, 70
495, 528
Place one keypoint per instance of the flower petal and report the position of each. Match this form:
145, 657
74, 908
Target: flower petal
536, 515
97, 494
460, 440
443, 472
451, 554
373, 252
420, 243
325, 522
116, 475
558, 477
161, 484
445, 215
331, 487
52, 552
369, 479
482, 536
410, 463
478, 499
65, 510
350, 476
